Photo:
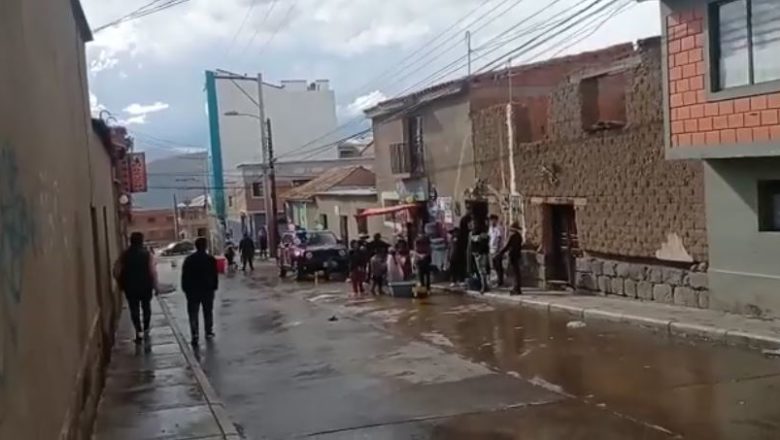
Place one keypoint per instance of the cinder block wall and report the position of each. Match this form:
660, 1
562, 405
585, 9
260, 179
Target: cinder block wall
633, 205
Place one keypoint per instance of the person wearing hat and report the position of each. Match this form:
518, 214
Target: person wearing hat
514, 248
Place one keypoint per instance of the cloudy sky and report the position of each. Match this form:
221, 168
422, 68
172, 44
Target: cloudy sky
150, 72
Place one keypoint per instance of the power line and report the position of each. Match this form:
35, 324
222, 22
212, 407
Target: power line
282, 24
148, 9
257, 28
241, 27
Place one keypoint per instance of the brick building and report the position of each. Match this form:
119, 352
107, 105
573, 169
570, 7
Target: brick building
721, 105
157, 225
602, 207
423, 141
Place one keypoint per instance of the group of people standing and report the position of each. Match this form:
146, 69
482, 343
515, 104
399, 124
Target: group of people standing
479, 247
136, 274
247, 251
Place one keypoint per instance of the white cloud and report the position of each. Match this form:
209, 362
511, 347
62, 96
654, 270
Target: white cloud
140, 109
356, 107
95, 107
133, 120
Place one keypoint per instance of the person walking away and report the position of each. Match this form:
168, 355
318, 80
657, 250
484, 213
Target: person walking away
404, 258
263, 242
199, 280
230, 256
514, 247
496, 243
422, 253
247, 249
480, 251
136, 275
357, 268
378, 268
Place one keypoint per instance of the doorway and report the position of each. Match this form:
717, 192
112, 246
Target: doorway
344, 229
561, 238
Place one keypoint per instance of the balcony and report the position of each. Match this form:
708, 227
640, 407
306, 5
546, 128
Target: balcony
406, 162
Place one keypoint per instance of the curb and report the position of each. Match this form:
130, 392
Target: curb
216, 406
670, 327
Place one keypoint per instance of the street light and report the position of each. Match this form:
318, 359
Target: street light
266, 146
235, 113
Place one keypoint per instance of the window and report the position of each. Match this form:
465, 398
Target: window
324, 221
745, 42
257, 190
390, 217
603, 100
414, 140
299, 182
769, 205
399, 158
230, 201
362, 223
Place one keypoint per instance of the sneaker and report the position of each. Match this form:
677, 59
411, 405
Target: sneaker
210, 335
147, 336
139, 337
194, 341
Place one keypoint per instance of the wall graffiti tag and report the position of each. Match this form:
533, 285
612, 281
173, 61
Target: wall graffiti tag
17, 239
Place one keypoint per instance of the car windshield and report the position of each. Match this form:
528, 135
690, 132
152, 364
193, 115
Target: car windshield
321, 239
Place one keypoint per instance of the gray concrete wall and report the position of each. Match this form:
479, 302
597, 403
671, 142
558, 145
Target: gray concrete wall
744, 263
56, 304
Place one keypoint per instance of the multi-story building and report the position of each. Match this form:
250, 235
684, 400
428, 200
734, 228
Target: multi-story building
157, 225
423, 142
721, 105
302, 116
603, 210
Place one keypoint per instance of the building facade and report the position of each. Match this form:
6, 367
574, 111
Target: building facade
333, 200
302, 115
721, 105
248, 199
424, 141
603, 210
59, 228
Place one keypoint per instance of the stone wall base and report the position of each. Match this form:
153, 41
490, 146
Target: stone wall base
649, 282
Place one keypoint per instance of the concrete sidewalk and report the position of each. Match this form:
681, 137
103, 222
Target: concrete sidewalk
157, 390
668, 319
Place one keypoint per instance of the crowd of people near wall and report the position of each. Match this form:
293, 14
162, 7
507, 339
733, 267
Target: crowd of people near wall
467, 255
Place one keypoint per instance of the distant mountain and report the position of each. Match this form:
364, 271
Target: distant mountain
185, 175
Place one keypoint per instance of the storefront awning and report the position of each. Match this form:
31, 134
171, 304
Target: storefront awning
387, 210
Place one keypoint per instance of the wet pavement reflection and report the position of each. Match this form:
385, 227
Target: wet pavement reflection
295, 359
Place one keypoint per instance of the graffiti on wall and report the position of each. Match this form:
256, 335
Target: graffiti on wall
17, 239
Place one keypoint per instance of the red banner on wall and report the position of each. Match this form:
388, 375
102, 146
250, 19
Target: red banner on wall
137, 168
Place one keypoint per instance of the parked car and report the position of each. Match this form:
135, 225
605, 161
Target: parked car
307, 252
184, 247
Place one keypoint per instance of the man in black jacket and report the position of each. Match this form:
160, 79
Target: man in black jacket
137, 277
247, 249
199, 280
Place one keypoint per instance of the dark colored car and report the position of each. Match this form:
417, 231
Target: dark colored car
184, 247
307, 252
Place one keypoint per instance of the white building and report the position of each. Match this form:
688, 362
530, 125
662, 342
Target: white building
302, 115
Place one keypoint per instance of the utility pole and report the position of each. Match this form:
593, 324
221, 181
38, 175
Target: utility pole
273, 234
264, 136
175, 219
468, 51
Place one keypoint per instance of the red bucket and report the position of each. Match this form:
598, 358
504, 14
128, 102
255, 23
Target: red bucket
221, 265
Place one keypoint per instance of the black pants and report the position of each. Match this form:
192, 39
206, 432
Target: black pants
498, 266
424, 271
135, 302
247, 259
515, 268
194, 302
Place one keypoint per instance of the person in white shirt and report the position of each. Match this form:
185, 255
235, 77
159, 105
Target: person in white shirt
496, 243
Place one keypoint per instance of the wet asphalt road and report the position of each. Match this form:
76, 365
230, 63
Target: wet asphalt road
452, 367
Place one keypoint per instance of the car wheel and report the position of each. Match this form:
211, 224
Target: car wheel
300, 275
